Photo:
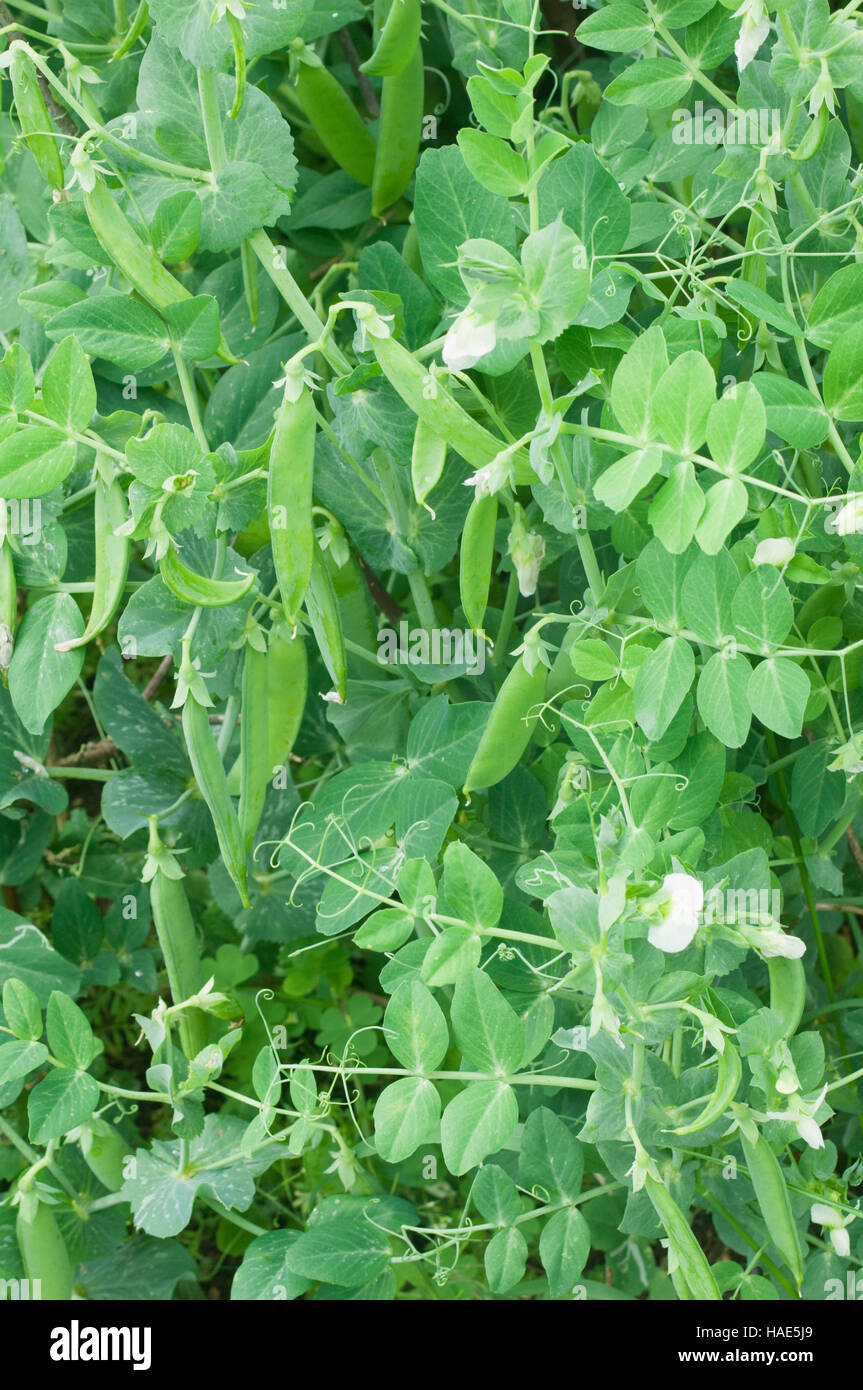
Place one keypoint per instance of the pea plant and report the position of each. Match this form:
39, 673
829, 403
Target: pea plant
431, 725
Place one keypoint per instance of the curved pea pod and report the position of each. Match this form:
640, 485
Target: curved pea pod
691, 1260
112, 561
814, 137
334, 118
33, 116
355, 607
399, 132
432, 403
428, 457
199, 589
398, 40
511, 723
476, 558
178, 939
787, 992
728, 1073
767, 1178
254, 744
289, 500
8, 605
43, 1249
287, 687
322, 607
213, 786
105, 1151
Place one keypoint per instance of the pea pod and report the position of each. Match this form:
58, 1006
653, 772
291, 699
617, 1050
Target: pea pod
287, 686
399, 132
213, 786
8, 605
289, 500
510, 725
692, 1262
814, 137
398, 40
198, 589
771, 1191
787, 992
105, 1151
254, 743
428, 457
333, 116
476, 558
112, 560
34, 119
43, 1249
432, 403
322, 608
355, 609
178, 939
728, 1074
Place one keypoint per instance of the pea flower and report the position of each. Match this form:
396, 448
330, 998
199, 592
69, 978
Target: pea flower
754, 29
848, 521
770, 942
834, 1223
680, 913
527, 550
468, 339
774, 551
802, 1117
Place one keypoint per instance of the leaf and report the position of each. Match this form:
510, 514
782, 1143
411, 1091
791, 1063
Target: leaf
762, 306
722, 696
476, 1123
450, 207
451, 955
18, 1059
778, 692
660, 578
762, 609
661, 684
676, 509
564, 1246
487, 1029
682, 401
68, 389
415, 1028
406, 1114
70, 1036
27, 955
505, 1259
792, 412
652, 82
617, 28
578, 186
557, 275
176, 227
61, 1101
817, 794
725, 505
21, 1007
635, 381
34, 461
836, 307
707, 597
843, 376
349, 1249
114, 326
736, 427
620, 484
493, 162
470, 887
264, 1274
194, 325
39, 675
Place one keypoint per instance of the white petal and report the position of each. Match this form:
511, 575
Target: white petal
674, 934
808, 1130
776, 943
774, 551
841, 1242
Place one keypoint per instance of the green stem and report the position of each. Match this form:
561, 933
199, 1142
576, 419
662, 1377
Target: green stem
272, 260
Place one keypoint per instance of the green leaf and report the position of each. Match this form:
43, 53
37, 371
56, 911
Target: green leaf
496, 1195
68, 389
505, 1259
762, 609
114, 326
415, 1027
557, 274
707, 597
70, 1036
578, 186
817, 794
348, 1249
406, 1114
620, 484
18, 1059
683, 399
676, 509
26, 955
723, 698
61, 1101
724, 506
493, 162
651, 82
477, 1123
836, 307
450, 207
736, 427
34, 461
22, 1010
264, 1274
843, 376
635, 382
661, 684
176, 227
470, 887
564, 1246
792, 412
39, 675
194, 325
762, 306
617, 28
487, 1029
778, 692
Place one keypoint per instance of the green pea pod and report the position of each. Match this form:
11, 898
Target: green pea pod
432, 403
691, 1260
43, 1249
334, 118
289, 500
34, 119
399, 132
728, 1074
476, 558
178, 940
814, 137
254, 744
771, 1191
112, 561
787, 992
213, 786
199, 589
8, 605
238, 44
322, 608
398, 40
428, 457
133, 33
287, 686
105, 1151
510, 725
355, 606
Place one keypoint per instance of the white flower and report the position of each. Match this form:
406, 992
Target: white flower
774, 551
809, 1130
468, 339
834, 1223
527, 549
604, 1019
492, 476
753, 31
777, 943
680, 916
849, 519
802, 1117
